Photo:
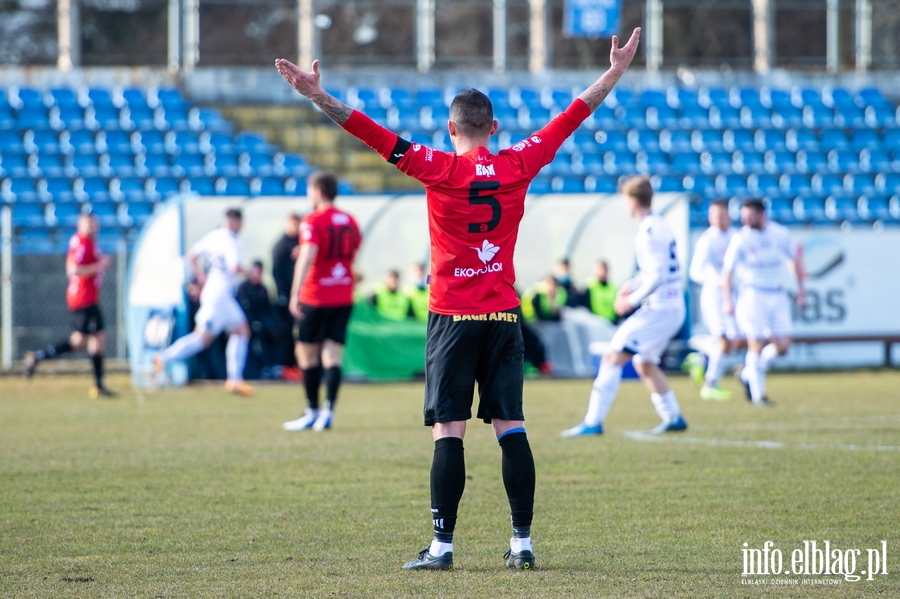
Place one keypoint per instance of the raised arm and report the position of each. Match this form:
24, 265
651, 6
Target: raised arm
307, 85
619, 59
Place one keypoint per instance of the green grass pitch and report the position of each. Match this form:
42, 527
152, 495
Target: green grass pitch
192, 493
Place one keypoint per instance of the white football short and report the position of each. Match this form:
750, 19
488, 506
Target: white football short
647, 332
717, 322
763, 314
223, 314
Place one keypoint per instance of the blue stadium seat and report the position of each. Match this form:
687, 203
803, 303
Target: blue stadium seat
107, 214
801, 139
150, 141
67, 117
780, 209
835, 96
732, 185
441, 141
770, 139
681, 96
870, 95
153, 164
795, 184
540, 185
891, 138
842, 208
63, 215
887, 183
763, 185
659, 117
291, 165
32, 118
135, 214
674, 140
865, 138
654, 97
56, 190
13, 164
395, 96
45, 141
562, 164
849, 116
602, 141
216, 141
267, 186
434, 117
257, 164
181, 141
363, 98
631, 116
167, 97
103, 117
208, 119
429, 96
843, 161
38, 240
91, 189
817, 116
702, 185
622, 96
665, 183
78, 141
716, 162
693, 116
573, 184
345, 188
882, 115
252, 141
171, 117
589, 163
786, 115
643, 139
557, 97
810, 209
27, 215
7, 118
812, 161
62, 97
707, 140
748, 161
128, 189
827, 183
116, 142
620, 162
536, 116
86, 164
738, 139
744, 96
203, 186
118, 164
650, 162
712, 96
24, 98
874, 208
46, 165
525, 96
11, 142
162, 188
859, 184
805, 96
724, 117
687, 162
189, 165
96, 98
755, 115
132, 97
781, 161
601, 184
404, 117
223, 164
604, 119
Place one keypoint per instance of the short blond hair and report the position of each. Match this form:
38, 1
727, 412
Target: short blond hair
638, 188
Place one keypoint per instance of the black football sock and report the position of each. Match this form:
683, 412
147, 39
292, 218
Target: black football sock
332, 384
97, 361
312, 379
518, 478
52, 351
448, 481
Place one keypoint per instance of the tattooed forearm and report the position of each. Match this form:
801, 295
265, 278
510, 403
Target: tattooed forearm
597, 92
336, 110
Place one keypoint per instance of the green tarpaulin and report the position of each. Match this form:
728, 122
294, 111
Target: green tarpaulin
378, 348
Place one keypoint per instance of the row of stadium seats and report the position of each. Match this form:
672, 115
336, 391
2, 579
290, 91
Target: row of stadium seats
49, 141
817, 210
24, 190
20, 98
44, 240
132, 214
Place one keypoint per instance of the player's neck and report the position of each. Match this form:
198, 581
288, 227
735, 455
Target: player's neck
464, 144
640, 213
323, 206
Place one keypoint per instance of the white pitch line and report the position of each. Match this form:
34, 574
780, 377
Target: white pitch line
677, 438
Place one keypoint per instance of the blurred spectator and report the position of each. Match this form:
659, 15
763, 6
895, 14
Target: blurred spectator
544, 300
417, 292
254, 299
208, 364
284, 256
535, 353
389, 301
601, 294
563, 274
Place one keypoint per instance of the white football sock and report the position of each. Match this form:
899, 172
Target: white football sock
754, 376
714, 364
520, 544
768, 353
666, 406
183, 348
235, 357
603, 393
438, 548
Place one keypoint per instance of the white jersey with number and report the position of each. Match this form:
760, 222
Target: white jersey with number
222, 251
757, 258
658, 284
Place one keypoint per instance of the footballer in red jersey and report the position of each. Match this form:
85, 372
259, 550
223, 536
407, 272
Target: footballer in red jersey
322, 298
85, 267
475, 203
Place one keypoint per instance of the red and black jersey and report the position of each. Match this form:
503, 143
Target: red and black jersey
475, 203
329, 281
83, 291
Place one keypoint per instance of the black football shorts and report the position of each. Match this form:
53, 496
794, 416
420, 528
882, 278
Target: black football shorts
87, 321
323, 322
